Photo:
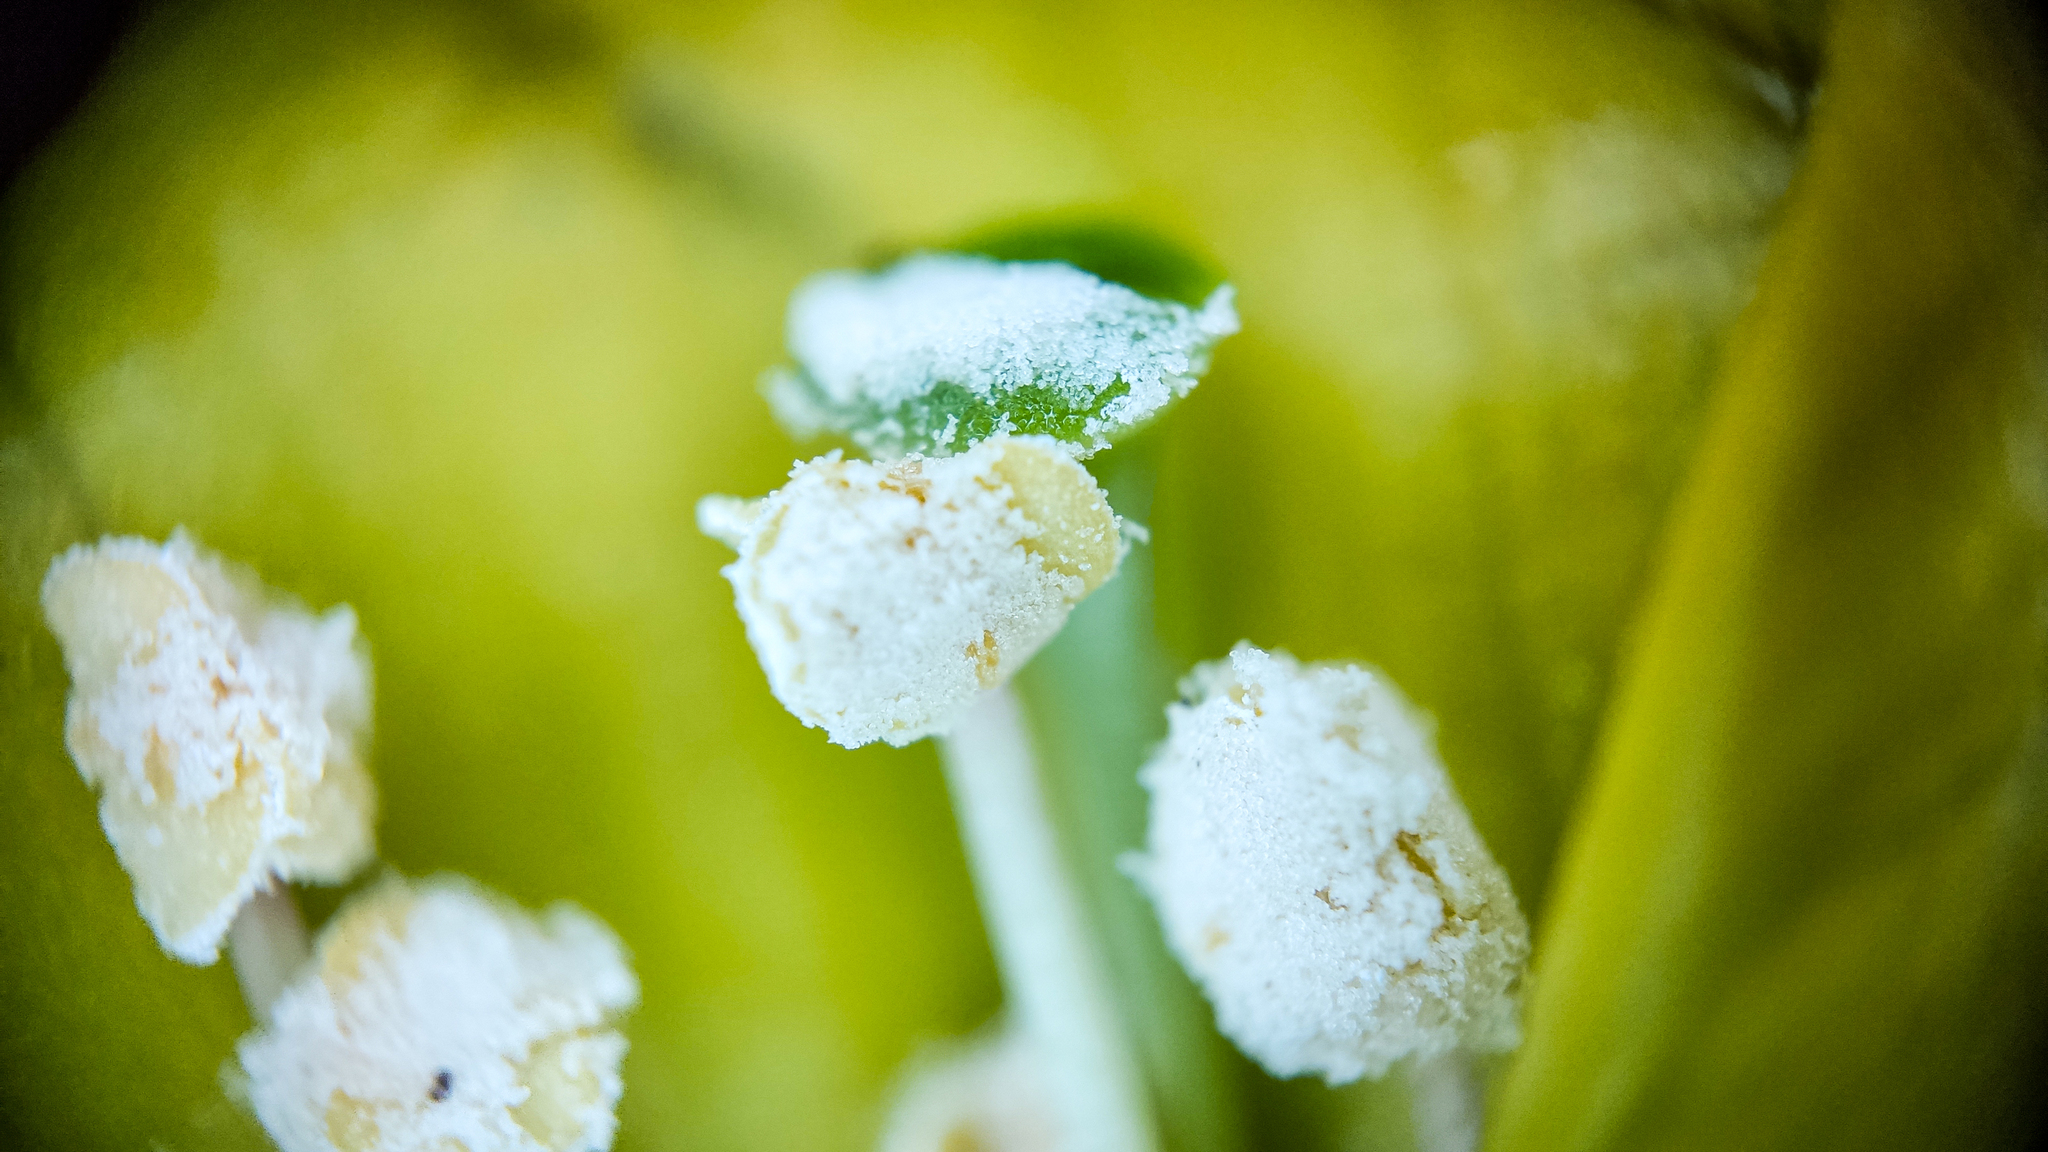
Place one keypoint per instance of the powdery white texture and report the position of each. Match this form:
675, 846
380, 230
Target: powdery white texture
1318, 877
991, 327
222, 728
437, 1017
881, 598
989, 1095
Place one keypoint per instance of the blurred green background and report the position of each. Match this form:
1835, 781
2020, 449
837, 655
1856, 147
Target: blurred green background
452, 311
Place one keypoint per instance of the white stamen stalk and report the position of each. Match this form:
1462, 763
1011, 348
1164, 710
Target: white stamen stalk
1057, 986
1445, 1107
267, 945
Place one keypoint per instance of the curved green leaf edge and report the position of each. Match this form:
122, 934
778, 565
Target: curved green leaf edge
1801, 908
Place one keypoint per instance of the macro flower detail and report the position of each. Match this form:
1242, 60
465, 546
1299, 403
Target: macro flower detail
1318, 877
941, 351
882, 598
436, 1016
221, 726
1652, 389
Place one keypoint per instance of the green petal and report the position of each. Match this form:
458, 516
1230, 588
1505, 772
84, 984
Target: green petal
1802, 909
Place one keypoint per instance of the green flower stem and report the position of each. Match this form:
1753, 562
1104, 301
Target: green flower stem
1059, 990
267, 944
1097, 696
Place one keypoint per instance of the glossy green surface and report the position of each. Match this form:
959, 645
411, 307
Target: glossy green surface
1803, 906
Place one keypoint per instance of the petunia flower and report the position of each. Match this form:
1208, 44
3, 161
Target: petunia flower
1649, 390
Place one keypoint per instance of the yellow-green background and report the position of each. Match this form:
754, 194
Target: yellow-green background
452, 311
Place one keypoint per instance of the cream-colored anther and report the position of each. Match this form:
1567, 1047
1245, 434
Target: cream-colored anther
1318, 877
988, 1095
882, 598
437, 1017
221, 725
875, 346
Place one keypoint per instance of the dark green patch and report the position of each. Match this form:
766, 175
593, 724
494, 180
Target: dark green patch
1115, 250
918, 425
1103, 245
